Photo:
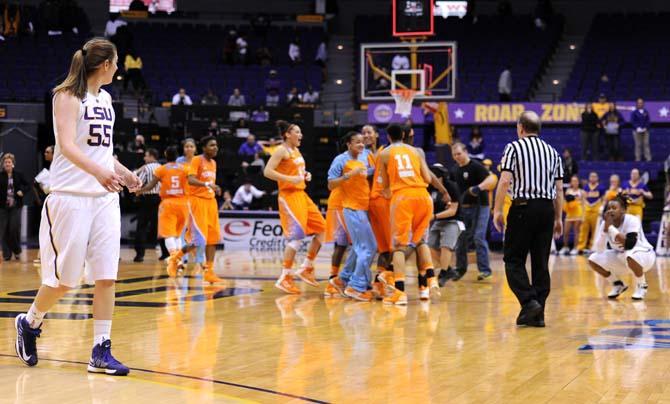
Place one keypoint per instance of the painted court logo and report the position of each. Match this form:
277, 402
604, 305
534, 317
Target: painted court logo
645, 334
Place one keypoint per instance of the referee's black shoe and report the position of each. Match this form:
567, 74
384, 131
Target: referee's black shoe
530, 313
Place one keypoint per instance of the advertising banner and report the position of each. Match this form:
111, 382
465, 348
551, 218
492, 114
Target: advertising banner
258, 232
556, 113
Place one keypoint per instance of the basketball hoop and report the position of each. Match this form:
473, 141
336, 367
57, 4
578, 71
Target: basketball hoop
403, 101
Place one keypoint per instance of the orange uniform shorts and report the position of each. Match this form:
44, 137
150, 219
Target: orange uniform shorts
411, 212
336, 229
206, 219
172, 217
380, 220
299, 216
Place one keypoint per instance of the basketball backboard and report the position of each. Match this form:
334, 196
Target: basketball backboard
429, 68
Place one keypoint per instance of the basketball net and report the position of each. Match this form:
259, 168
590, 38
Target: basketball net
403, 101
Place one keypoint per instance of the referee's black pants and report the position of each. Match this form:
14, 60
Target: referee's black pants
147, 223
529, 229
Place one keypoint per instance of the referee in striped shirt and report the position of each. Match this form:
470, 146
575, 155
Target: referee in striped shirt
147, 212
533, 169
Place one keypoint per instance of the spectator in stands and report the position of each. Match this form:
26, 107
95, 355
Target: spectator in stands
229, 47
13, 187
294, 51
227, 201
210, 98
214, 129
636, 191
640, 121
261, 25
601, 106
505, 84
400, 62
589, 132
263, 56
113, 24
137, 5
476, 145
260, 115
181, 98
293, 98
570, 167
241, 128
241, 49
245, 195
11, 21
250, 153
133, 66
310, 96
611, 123
138, 145
236, 99
321, 59
272, 86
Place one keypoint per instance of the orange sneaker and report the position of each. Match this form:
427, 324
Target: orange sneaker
210, 276
307, 276
356, 295
337, 283
172, 265
287, 285
331, 291
397, 298
378, 290
388, 279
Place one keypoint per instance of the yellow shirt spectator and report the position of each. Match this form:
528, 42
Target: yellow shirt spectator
132, 63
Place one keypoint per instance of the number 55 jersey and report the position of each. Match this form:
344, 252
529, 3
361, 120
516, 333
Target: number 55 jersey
94, 138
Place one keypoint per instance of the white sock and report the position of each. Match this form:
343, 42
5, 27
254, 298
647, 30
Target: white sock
171, 244
102, 329
285, 272
34, 316
307, 263
642, 280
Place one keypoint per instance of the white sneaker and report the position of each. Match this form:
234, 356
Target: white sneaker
617, 288
574, 252
434, 290
564, 251
640, 291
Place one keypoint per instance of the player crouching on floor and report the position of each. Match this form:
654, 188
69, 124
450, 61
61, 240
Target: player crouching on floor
628, 250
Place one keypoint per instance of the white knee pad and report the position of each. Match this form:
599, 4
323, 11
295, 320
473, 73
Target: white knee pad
171, 243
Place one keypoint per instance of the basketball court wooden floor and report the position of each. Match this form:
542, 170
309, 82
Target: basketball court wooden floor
244, 341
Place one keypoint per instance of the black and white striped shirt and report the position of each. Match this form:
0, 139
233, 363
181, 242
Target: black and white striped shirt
535, 167
146, 174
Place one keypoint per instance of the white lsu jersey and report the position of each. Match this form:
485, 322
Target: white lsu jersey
94, 138
630, 224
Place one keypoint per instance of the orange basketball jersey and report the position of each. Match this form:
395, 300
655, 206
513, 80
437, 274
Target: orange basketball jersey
294, 165
205, 171
377, 180
404, 168
173, 179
